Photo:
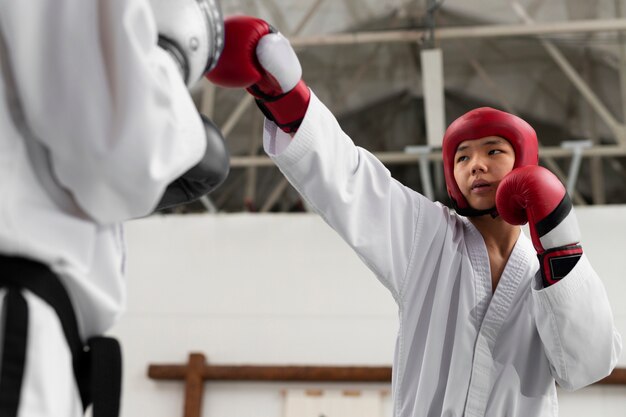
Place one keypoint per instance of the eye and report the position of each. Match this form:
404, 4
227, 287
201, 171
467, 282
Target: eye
461, 158
495, 151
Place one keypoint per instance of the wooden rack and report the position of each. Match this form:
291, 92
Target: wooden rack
196, 371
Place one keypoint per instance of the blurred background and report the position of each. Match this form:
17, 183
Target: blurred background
249, 276
559, 64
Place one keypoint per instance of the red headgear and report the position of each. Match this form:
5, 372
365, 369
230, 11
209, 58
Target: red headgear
480, 123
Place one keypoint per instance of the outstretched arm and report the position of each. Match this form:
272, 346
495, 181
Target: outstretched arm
352, 190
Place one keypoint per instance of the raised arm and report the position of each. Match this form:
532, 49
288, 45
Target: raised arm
352, 190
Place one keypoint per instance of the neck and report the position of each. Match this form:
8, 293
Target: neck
496, 233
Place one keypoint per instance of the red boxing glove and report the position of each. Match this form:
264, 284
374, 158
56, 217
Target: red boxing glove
260, 59
535, 195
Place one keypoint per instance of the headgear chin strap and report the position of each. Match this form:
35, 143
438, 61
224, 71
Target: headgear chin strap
480, 123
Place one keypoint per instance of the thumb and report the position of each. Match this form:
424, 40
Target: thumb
278, 58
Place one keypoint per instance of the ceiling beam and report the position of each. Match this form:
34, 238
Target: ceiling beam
406, 158
618, 129
464, 32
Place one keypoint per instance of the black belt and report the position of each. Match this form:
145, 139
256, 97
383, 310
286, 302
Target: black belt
97, 365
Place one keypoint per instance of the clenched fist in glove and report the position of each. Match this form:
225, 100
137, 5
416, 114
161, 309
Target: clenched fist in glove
205, 176
533, 194
260, 59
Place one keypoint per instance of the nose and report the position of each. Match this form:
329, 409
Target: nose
478, 165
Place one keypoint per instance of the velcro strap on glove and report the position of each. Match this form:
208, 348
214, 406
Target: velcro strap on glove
556, 263
287, 110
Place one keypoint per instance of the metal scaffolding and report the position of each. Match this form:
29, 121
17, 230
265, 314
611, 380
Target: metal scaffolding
529, 28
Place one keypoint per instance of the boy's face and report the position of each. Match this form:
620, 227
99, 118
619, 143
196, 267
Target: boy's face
479, 166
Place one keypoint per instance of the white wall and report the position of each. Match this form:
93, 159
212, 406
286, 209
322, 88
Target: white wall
284, 289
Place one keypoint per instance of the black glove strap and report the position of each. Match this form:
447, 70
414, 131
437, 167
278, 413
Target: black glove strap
287, 127
556, 263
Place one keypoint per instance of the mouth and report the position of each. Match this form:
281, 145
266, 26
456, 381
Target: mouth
479, 186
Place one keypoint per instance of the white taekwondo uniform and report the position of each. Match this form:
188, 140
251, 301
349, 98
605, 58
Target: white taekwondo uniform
112, 117
461, 350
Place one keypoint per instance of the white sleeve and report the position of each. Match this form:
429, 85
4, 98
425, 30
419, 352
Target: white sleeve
575, 323
107, 103
354, 193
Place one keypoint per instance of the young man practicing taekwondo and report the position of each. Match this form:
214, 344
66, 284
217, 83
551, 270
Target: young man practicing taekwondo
489, 319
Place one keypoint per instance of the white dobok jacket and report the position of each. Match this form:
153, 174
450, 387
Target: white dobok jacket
109, 123
460, 351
